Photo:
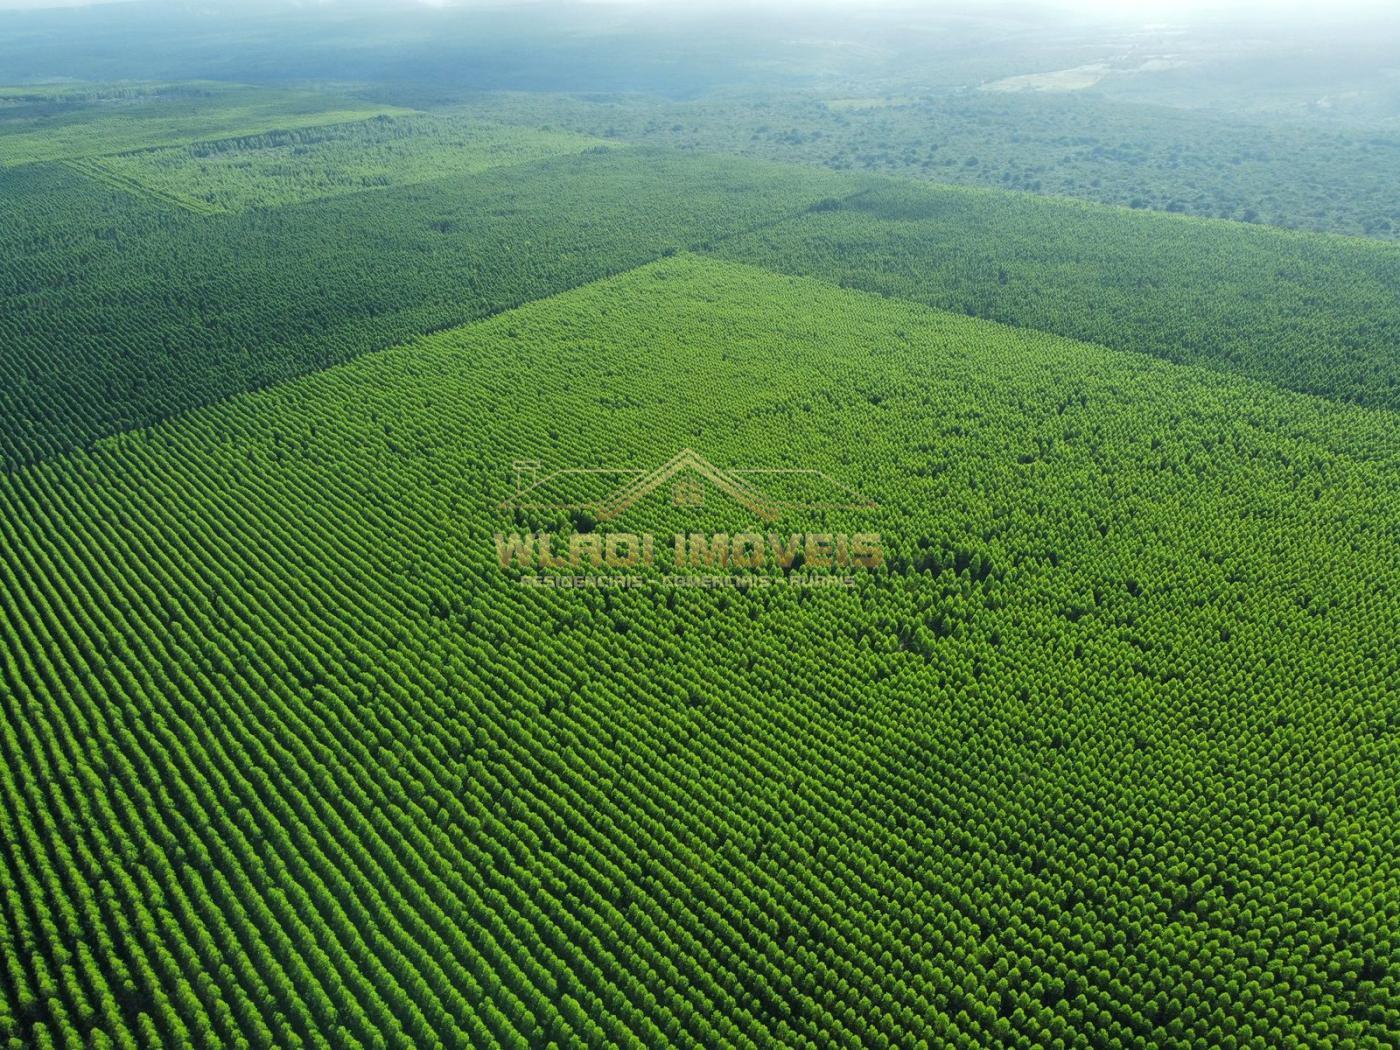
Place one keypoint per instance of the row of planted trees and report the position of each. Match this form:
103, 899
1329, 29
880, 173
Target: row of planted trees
1100, 757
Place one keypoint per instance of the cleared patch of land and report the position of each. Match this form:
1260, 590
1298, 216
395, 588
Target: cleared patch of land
1076, 79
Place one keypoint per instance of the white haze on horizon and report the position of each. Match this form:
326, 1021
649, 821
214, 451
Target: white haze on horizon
1169, 10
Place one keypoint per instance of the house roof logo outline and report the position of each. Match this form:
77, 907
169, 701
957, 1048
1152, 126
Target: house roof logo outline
734, 483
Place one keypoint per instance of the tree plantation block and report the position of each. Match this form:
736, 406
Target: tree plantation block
1106, 736
777, 526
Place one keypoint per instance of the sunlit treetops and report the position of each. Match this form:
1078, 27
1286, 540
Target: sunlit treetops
1106, 750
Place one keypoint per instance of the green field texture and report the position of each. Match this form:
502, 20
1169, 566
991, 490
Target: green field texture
75, 121
290, 167
1110, 738
117, 311
1290, 174
1309, 312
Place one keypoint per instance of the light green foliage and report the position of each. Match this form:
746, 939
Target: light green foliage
64, 123
288, 167
1310, 313
1111, 737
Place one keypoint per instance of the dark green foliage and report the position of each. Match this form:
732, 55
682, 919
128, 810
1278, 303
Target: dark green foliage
1310, 313
1300, 176
116, 312
61, 122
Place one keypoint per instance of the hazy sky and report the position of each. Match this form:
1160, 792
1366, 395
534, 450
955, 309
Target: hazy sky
1324, 8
